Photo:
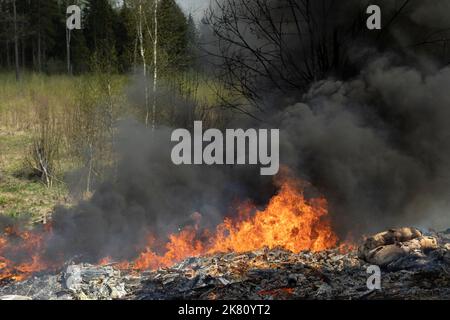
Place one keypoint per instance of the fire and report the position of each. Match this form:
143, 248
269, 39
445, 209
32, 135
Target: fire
179, 247
21, 253
290, 221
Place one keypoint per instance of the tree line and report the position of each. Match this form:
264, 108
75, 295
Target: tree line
33, 35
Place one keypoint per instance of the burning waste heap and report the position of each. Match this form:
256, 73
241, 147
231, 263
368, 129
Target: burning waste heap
285, 251
408, 272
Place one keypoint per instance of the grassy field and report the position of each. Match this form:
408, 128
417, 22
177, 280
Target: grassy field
67, 113
22, 193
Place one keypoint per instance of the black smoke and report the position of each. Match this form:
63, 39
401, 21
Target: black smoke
368, 126
377, 146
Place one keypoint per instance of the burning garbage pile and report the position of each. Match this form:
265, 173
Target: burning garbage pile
421, 273
287, 250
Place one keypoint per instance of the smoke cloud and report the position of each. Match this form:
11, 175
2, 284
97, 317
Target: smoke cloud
377, 146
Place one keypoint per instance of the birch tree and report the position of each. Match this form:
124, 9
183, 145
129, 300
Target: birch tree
152, 32
155, 63
140, 22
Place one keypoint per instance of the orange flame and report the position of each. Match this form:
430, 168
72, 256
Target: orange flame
289, 221
28, 248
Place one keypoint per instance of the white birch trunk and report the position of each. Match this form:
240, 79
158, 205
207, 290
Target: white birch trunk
144, 63
155, 63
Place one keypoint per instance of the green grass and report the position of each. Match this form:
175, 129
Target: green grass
22, 195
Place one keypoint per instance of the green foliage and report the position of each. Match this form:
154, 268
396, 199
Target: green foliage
99, 24
125, 38
192, 37
173, 34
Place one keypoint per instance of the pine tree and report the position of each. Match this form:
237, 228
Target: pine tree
124, 37
16, 40
192, 42
173, 34
6, 30
99, 30
47, 21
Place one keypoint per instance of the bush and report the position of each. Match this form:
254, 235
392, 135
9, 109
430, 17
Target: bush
46, 143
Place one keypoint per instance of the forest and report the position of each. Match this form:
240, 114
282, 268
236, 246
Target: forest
110, 32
